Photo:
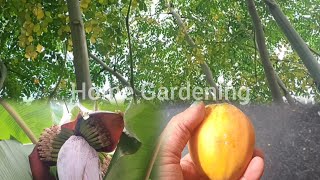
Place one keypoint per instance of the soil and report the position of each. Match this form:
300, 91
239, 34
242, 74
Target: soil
289, 137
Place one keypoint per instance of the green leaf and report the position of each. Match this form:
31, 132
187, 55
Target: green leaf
36, 115
144, 122
14, 162
142, 6
54, 172
127, 145
56, 112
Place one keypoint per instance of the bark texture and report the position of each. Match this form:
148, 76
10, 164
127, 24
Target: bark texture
80, 52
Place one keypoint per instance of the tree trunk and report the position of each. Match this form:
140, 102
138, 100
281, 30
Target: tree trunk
204, 66
80, 52
296, 41
264, 54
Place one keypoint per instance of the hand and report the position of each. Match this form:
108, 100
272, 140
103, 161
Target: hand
175, 137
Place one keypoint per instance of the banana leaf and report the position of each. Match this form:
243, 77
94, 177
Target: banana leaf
134, 159
14, 161
36, 115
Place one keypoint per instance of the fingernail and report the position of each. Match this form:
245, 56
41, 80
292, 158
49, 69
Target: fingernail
195, 103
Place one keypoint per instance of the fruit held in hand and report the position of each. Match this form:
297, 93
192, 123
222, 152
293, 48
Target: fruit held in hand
222, 146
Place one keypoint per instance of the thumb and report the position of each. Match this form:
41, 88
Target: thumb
179, 130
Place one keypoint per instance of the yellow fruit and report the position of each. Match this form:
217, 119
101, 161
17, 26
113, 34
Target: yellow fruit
222, 146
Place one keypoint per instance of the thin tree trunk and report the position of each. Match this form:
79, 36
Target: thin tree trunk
264, 54
204, 66
130, 52
285, 91
296, 41
80, 52
19, 121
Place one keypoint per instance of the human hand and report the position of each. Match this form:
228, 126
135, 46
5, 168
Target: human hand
175, 137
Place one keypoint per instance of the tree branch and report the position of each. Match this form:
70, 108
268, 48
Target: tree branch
19, 121
3, 73
314, 51
122, 80
285, 91
204, 66
255, 60
19, 74
55, 88
130, 51
264, 54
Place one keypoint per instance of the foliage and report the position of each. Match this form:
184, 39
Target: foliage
35, 37
36, 46
143, 122
41, 114
36, 115
14, 162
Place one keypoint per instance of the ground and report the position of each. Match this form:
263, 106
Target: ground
289, 137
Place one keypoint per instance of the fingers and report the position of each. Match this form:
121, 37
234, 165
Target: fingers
256, 167
188, 168
179, 130
253, 172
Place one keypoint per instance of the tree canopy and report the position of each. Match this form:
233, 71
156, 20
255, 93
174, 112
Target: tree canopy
50, 48
36, 45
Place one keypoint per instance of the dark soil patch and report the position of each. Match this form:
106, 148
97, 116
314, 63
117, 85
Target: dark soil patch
289, 137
